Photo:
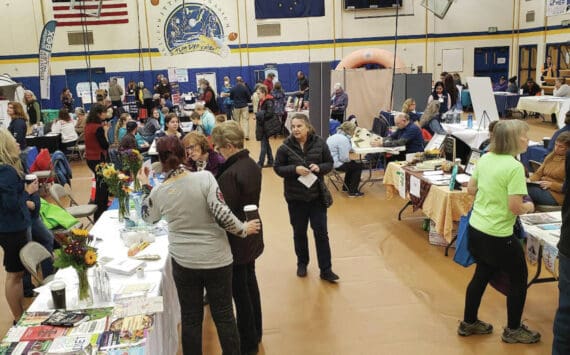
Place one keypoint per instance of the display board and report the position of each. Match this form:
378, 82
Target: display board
4, 118
483, 100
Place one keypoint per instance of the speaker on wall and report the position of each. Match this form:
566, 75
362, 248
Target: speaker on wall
438, 7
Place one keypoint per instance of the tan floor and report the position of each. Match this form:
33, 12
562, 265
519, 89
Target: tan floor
397, 294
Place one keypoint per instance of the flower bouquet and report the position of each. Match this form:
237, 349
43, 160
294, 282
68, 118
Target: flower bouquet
118, 184
132, 161
77, 252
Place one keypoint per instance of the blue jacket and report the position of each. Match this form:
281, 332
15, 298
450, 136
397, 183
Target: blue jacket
18, 129
61, 168
410, 136
340, 146
14, 214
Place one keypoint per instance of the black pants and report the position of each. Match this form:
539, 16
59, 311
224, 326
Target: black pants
300, 213
494, 254
190, 285
248, 306
353, 172
339, 116
101, 190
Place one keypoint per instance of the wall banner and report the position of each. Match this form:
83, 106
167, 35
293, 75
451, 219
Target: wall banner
46, 44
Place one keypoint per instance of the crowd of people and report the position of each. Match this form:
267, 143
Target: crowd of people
214, 246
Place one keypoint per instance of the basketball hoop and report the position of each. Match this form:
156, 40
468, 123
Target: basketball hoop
89, 8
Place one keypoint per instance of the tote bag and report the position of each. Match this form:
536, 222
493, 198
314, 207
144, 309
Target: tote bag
462, 255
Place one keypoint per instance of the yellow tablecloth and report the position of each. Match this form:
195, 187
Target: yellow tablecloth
440, 205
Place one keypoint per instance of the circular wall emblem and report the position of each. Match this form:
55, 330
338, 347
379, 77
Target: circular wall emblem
186, 27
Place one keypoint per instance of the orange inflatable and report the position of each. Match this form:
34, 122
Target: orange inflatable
365, 56
154, 2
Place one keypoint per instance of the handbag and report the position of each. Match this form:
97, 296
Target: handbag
325, 194
462, 254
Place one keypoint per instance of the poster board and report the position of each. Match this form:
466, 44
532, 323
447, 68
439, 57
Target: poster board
211, 77
82, 91
483, 100
4, 118
452, 60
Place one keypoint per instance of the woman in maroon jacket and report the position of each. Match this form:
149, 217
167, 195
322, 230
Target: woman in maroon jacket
239, 179
96, 146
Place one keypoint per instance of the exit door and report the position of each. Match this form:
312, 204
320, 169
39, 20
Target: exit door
492, 62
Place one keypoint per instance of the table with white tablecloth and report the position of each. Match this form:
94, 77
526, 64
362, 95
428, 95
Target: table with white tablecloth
472, 136
546, 105
163, 339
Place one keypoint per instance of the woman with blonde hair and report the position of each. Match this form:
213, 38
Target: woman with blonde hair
19, 123
430, 119
409, 107
81, 118
340, 146
499, 185
32, 107
239, 179
14, 218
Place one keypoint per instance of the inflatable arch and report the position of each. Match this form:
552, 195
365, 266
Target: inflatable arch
364, 56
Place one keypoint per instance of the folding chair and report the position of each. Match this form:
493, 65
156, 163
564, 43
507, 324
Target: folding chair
336, 179
58, 193
32, 255
79, 148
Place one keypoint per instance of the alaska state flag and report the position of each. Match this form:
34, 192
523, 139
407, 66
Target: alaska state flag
265, 9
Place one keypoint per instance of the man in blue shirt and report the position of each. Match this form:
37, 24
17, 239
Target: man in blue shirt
408, 134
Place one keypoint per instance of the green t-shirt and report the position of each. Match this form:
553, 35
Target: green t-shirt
498, 177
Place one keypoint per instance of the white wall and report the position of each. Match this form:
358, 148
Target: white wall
23, 20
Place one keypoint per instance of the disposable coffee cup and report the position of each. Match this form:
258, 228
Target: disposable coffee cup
30, 178
545, 141
251, 212
58, 294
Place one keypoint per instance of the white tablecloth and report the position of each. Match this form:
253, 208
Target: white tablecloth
472, 136
546, 105
549, 243
163, 339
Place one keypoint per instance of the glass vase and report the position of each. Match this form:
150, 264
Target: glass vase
84, 295
123, 207
136, 197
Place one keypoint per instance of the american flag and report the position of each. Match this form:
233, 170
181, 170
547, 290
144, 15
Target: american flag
112, 12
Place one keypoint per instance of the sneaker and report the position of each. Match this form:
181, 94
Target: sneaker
479, 327
329, 276
520, 335
301, 270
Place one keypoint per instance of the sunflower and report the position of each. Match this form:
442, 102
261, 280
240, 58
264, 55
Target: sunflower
80, 232
90, 257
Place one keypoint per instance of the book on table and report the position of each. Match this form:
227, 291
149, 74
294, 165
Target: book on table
61, 318
123, 266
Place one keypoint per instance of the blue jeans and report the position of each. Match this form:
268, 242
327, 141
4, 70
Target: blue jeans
190, 284
265, 150
38, 232
540, 196
561, 342
300, 213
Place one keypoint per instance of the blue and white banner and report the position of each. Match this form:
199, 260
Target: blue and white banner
557, 7
46, 44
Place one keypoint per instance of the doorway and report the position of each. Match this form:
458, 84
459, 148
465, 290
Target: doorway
492, 62
527, 63
78, 82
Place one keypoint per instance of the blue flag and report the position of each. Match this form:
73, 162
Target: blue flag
265, 9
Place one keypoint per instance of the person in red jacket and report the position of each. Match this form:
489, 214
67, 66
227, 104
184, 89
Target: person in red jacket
96, 146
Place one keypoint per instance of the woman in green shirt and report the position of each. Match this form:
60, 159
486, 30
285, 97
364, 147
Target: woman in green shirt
499, 185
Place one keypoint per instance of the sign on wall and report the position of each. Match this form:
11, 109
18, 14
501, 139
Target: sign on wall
186, 26
557, 7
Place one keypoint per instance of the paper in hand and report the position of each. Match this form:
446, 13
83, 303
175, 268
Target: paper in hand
307, 180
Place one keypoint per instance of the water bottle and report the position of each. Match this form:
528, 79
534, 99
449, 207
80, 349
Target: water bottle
452, 181
470, 121
40, 130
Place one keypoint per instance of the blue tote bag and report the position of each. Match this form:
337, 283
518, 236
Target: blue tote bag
462, 255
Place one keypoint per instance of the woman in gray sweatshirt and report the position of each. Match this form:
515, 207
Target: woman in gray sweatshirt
197, 217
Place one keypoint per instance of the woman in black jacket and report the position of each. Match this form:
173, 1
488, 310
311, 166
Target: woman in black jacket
239, 179
264, 115
302, 154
